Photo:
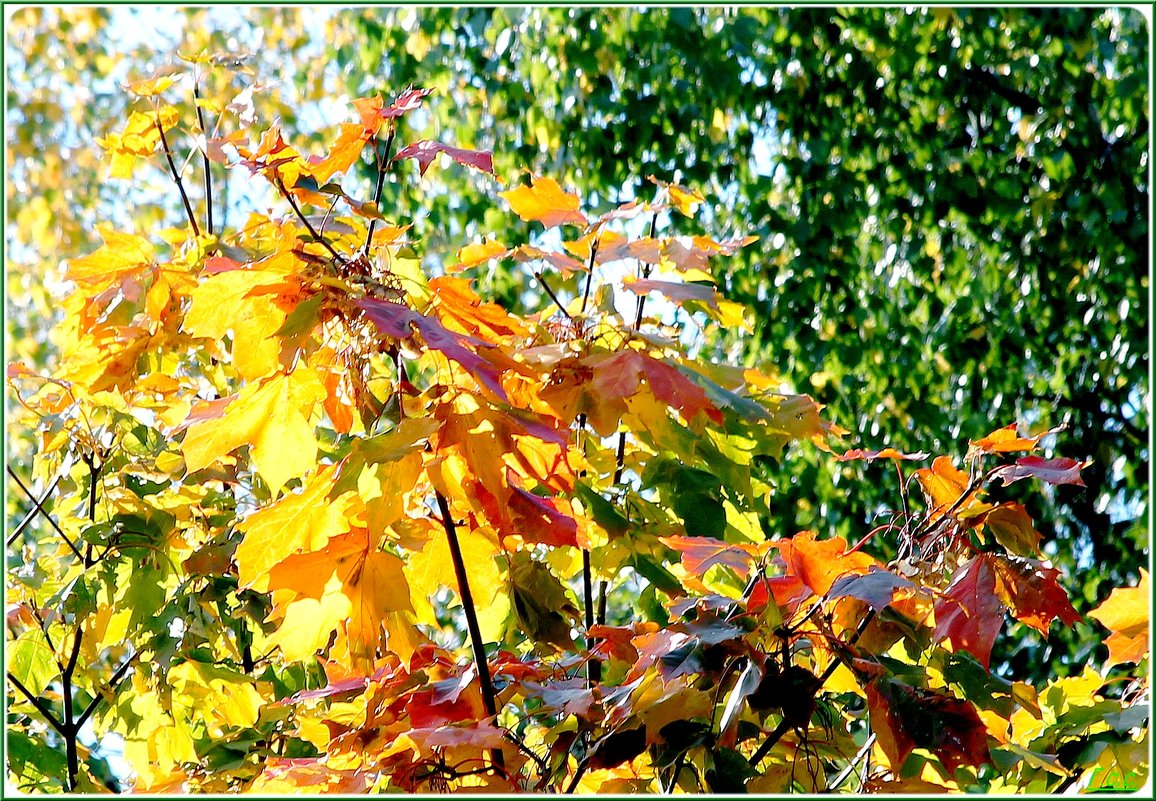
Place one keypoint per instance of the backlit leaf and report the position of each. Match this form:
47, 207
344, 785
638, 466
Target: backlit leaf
544, 201
1126, 613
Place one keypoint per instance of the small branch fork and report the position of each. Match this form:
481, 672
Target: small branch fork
177, 176
382, 169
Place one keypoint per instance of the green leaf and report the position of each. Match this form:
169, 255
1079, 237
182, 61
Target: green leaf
31, 661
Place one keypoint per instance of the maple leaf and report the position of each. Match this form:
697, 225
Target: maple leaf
1012, 527
120, 254
545, 202
1005, 440
856, 454
876, 587
398, 321
407, 101
345, 151
1030, 590
818, 563
699, 554
253, 305
424, 152
304, 521
944, 484
905, 718
271, 417
685, 200
1126, 613
969, 612
1053, 471
476, 253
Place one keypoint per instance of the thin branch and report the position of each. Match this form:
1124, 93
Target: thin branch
863, 752
47, 516
589, 274
277, 182
34, 511
204, 158
579, 772
772, 740
593, 666
41, 707
553, 297
467, 598
177, 177
112, 685
382, 168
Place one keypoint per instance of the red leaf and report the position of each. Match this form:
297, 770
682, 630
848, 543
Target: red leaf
1053, 471
905, 718
969, 613
538, 519
1031, 592
425, 151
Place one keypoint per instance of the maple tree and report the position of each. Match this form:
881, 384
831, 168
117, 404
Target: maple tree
314, 519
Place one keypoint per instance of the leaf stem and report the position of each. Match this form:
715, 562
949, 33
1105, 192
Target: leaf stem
553, 297
475, 630
177, 176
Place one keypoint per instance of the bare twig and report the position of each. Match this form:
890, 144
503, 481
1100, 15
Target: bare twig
382, 168
862, 754
113, 683
204, 159
41, 707
37, 506
553, 297
40, 508
589, 274
177, 177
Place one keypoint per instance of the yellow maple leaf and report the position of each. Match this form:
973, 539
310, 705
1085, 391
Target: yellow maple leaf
301, 522
121, 253
546, 202
250, 303
1126, 613
271, 417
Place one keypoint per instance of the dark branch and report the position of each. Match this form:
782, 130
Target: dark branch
205, 159
47, 516
382, 169
177, 177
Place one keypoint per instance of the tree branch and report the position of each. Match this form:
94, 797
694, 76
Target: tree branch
382, 168
471, 612
41, 707
305, 220
47, 516
177, 177
204, 158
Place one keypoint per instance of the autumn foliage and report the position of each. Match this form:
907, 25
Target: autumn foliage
324, 519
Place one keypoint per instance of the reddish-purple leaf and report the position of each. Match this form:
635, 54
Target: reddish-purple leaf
425, 151
876, 588
677, 292
969, 612
395, 320
1053, 471
408, 100
699, 554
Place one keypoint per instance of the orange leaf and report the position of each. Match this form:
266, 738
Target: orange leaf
545, 202
943, 484
1031, 592
818, 563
